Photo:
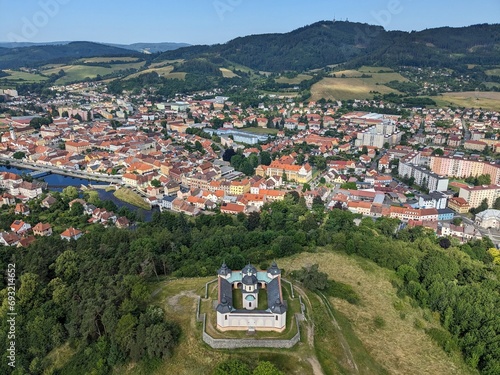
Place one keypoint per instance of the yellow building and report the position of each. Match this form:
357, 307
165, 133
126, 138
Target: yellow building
239, 187
297, 173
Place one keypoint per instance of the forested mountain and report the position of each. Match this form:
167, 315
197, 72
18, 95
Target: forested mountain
40, 55
326, 42
314, 46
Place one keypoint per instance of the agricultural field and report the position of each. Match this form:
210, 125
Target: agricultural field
470, 99
493, 72
165, 63
22, 77
381, 334
162, 71
80, 72
226, 73
348, 84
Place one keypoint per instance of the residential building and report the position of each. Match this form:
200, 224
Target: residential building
71, 234
19, 227
423, 177
462, 168
474, 195
458, 205
42, 229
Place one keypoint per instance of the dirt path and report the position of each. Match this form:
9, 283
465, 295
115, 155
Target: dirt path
309, 325
342, 340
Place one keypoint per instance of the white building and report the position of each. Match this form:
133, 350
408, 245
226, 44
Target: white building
488, 219
246, 284
423, 177
376, 136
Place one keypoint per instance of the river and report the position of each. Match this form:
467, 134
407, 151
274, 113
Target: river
58, 182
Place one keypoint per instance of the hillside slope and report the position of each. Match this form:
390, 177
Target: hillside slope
326, 42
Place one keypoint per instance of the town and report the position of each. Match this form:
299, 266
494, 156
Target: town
434, 168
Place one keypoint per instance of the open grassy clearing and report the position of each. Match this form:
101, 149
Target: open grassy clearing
162, 71
22, 76
470, 99
108, 59
375, 78
348, 88
493, 72
80, 72
294, 81
129, 196
51, 66
490, 85
226, 73
398, 345
235, 66
59, 357
352, 86
176, 75
374, 69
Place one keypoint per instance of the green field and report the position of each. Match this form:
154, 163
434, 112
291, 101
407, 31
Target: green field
129, 196
162, 71
493, 72
226, 73
165, 63
470, 99
80, 72
294, 81
348, 84
22, 77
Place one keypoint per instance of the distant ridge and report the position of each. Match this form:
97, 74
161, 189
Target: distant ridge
33, 56
139, 47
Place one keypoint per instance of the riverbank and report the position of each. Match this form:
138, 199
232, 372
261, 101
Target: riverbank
64, 172
57, 182
131, 197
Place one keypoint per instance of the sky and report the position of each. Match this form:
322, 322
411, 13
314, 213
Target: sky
218, 21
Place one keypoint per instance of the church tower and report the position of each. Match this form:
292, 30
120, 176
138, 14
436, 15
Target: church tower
250, 288
12, 133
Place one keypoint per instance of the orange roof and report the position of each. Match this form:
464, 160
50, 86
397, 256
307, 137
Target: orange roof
71, 232
41, 227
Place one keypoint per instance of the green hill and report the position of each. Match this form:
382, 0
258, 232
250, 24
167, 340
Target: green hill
35, 56
337, 336
326, 42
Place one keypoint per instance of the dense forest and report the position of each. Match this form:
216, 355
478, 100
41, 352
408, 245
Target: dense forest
355, 44
35, 56
93, 293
